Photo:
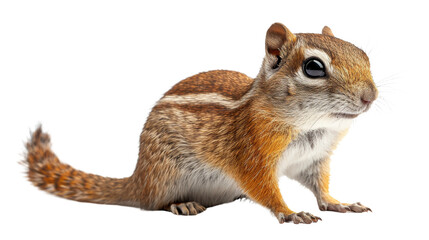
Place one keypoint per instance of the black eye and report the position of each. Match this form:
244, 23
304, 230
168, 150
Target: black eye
314, 68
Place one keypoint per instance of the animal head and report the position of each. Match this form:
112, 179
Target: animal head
315, 80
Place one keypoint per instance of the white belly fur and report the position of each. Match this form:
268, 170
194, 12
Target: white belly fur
206, 185
308, 147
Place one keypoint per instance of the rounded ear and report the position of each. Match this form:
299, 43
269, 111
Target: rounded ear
277, 36
327, 31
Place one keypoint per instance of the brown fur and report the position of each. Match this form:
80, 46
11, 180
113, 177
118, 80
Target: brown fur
228, 83
231, 142
47, 173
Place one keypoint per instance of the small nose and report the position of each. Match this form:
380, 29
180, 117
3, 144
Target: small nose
368, 96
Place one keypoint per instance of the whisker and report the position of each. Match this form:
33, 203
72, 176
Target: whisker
317, 121
382, 101
388, 81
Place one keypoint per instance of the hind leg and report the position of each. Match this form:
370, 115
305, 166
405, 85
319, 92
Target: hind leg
188, 208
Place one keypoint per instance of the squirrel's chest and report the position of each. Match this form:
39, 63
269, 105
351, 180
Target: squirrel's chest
307, 148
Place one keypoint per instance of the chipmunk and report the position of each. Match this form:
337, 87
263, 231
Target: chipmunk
221, 135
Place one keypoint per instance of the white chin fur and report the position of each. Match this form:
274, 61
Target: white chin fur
327, 122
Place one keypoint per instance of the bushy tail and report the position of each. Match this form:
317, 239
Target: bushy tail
47, 173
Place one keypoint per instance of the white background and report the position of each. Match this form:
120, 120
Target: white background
90, 71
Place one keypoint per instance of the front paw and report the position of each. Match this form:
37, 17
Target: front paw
344, 207
297, 218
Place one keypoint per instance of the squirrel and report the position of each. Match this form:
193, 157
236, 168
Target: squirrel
220, 135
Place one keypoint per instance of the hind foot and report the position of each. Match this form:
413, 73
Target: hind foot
189, 208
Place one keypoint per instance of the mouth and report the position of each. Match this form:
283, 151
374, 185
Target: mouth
344, 115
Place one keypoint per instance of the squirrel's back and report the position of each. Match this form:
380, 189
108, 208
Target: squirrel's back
230, 84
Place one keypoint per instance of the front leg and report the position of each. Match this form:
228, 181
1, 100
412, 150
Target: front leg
262, 187
316, 178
